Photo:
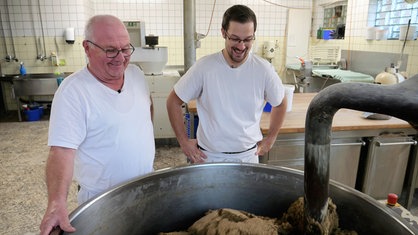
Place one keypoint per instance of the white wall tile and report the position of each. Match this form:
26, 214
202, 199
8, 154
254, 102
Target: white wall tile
165, 19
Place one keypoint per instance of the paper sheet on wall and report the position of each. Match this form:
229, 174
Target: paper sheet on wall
298, 30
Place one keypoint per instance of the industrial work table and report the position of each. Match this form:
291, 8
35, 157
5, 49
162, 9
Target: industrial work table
344, 119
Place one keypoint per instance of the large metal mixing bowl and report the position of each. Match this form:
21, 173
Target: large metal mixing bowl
172, 199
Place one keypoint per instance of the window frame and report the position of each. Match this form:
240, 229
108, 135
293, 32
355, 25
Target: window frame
392, 14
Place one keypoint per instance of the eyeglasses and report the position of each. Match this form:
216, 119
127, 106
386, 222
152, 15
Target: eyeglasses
113, 52
239, 40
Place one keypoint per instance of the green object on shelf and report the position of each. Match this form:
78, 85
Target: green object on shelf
319, 33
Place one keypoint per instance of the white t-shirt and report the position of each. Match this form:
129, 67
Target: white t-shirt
112, 132
229, 100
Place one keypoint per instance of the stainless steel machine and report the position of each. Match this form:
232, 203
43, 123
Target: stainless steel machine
152, 60
150, 57
386, 164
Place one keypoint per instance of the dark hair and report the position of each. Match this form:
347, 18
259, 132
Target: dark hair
239, 13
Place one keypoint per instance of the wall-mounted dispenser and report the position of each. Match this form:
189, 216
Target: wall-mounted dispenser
69, 35
269, 49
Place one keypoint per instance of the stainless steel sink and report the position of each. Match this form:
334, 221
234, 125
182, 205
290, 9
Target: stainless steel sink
38, 75
38, 84
32, 76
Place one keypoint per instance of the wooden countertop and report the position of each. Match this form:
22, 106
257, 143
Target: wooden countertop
344, 119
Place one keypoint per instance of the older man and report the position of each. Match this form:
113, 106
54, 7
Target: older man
101, 123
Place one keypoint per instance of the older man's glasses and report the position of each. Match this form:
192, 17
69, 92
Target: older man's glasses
237, 40
113, 52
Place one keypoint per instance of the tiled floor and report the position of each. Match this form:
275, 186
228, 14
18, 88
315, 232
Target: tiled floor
414, 206
23, 154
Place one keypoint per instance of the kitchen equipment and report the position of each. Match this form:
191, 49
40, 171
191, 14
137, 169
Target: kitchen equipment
41, 84
151, 40
389, 77
160, 87
344, 156
386, 164
269, 50
386, 78
147, 55
173, 199
151, 59
399, 100
289, 90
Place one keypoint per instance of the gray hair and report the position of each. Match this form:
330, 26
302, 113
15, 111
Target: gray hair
89, 28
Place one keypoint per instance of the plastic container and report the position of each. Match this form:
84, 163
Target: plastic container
267, 107
319, 33
327, 34
59, 80
22, 69
290, 89
371, 33
32, 115
381, 34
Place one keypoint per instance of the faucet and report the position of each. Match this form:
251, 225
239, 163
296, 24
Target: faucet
41, 57
9, 58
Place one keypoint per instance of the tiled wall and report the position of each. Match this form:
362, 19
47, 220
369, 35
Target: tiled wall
162, 17
165, 19
37, 30
358, 15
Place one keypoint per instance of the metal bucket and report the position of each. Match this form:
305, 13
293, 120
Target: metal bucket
172, 199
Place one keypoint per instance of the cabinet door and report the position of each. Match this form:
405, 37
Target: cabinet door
344, 160
288, 153
160, 87
344, 157
386, 164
